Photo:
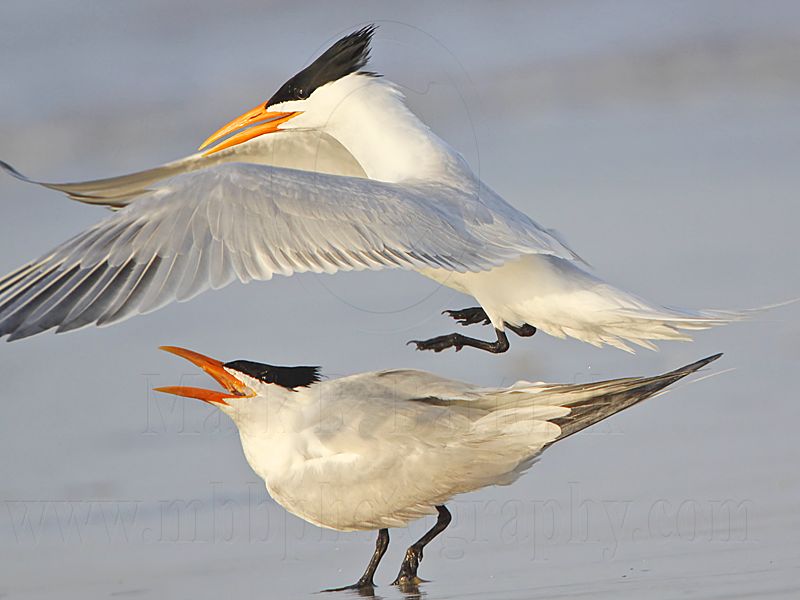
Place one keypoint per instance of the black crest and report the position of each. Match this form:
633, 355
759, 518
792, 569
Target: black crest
288, 377
348, 55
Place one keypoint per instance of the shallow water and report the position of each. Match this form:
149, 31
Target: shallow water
661, 138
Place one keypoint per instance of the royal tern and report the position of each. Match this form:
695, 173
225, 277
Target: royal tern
378, 450
332, 173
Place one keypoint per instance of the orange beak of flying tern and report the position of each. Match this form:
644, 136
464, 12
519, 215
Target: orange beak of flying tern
252, 123
215, 368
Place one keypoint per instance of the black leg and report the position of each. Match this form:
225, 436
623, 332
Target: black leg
458, 341
478, 316
365, 583
408, 570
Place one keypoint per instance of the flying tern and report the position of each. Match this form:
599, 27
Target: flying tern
378, 450
332, 173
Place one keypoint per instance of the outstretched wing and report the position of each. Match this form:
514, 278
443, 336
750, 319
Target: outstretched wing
305, 150
208, 227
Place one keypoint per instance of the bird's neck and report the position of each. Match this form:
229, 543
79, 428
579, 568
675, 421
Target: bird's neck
388, 140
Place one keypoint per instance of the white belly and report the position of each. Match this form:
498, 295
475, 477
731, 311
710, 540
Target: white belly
325, 502
559, 298
537, 289
342, 491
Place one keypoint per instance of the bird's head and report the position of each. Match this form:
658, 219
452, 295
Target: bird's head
248, 385
309, 99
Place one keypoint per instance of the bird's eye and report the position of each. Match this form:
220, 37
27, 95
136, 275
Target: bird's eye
300, 93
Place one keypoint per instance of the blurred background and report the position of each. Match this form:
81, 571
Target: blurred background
660, 137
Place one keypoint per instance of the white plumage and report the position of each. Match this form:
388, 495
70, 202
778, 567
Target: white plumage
350, 179
380, 449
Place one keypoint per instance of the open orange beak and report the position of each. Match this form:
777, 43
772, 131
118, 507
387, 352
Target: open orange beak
257, 122
215, 368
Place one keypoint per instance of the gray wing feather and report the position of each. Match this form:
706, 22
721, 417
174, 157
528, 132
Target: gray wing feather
207, 228
307, 150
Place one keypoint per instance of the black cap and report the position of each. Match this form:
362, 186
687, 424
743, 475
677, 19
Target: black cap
348, 55
288, 377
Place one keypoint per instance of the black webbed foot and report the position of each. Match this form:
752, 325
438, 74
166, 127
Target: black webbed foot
523, 330
477, 316
469, 316
366, 590
407, 577
458, 341
365, 586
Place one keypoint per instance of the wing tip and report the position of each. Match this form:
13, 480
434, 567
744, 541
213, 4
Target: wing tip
696, 366
13, 172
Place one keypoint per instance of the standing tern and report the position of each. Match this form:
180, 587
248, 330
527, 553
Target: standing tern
332, 173
381, 449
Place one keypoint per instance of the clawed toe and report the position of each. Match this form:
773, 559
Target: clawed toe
469, 316
523, 330
362, 589
478, 316
439, 343
458, 341
411, 581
